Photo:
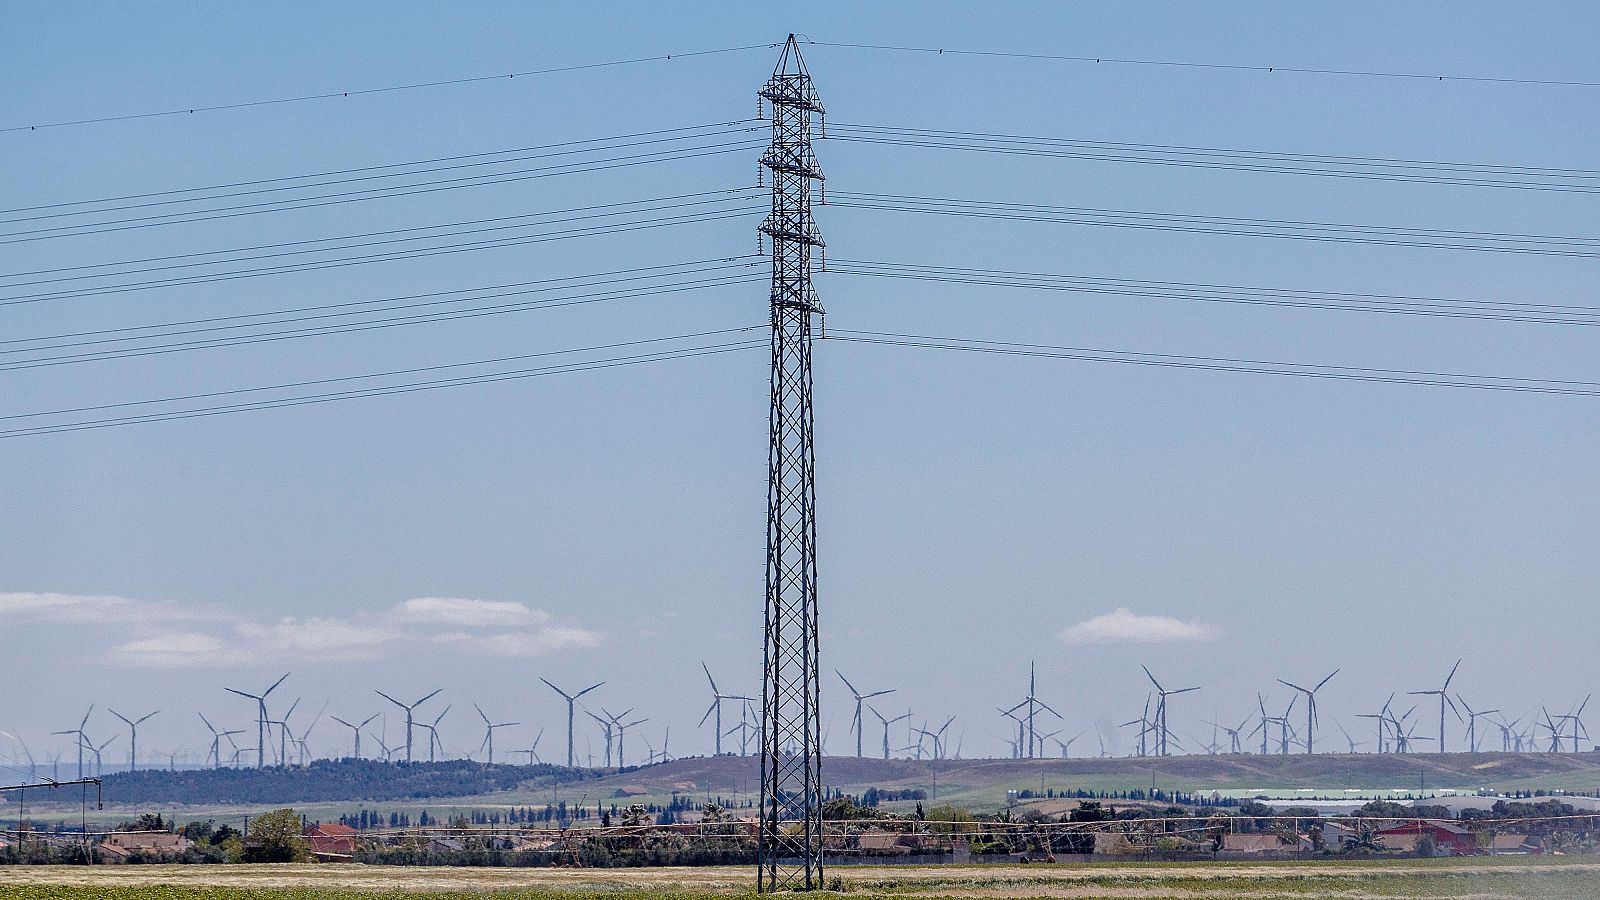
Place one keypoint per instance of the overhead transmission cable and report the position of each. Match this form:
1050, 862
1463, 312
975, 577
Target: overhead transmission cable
1226, 364
384, 89
1394, 304
1535, 178
339, 198
1223, 67
1286, 229
358, 307
582, 229
163, 343
303, 399
606, 142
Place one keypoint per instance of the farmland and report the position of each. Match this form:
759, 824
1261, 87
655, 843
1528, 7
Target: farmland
1527, 877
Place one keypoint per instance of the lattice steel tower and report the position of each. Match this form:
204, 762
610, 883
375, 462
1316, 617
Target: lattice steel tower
790, 842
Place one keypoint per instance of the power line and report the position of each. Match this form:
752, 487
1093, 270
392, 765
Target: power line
388, 304
1226, 67
1583, 181
1226, 364
1287, 229
388, 256
375, 324
361, 92
378, 193
384, 390
1440, 307
594, 211
637, 138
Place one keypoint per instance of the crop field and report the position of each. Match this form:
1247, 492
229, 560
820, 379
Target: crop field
1473, 878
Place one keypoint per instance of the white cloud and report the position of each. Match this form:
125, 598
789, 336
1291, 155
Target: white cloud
452, 624
1121, 625
182, 648
290, 635
523, 643
53, 607
464, 612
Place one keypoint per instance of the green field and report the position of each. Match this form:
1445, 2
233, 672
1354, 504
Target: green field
1471, 878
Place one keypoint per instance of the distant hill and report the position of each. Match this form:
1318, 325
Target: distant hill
328, 780
978, 783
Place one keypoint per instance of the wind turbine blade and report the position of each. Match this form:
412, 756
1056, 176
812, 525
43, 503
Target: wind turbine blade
847, 683
1151, 677
713, 681
709, 710
1326, 680
274, 686
429, 697
389, 698
587, 689
1295, 686
1451, 675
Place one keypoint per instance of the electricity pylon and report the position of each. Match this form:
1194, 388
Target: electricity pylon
789, 845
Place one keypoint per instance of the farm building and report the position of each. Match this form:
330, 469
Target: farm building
1255, 843
1448, 837
332, 841
1506, 844
119, 846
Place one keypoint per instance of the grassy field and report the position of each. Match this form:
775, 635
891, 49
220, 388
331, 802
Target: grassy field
1474, 878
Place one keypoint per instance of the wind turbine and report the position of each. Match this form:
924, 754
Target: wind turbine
1382, 716
488, 735
1022, 728
937, 737
1066, 745
533, 749
1234, 744
1507, 729
133, 736
216, 740
717, 697
861, 698
886, 724
1163, 733
572, 700
622, 730
300, 742
606, 726
355, 727
282, 758
1578, 731
82, 738
99, 767
1311, 705
1034, 704
261, 718
1348, 739
1444, 700
433, 733
1472, 722
409, 721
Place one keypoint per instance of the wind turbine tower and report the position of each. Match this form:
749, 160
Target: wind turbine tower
572, 705
133, 736
1311, 705
261, 718
860, 699
1444, 700
410, 722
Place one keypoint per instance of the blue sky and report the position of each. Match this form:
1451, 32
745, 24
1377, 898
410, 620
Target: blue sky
608, 525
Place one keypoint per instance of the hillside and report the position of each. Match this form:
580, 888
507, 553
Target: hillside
329, 788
